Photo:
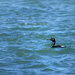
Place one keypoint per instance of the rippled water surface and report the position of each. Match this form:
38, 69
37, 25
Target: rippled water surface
25, 26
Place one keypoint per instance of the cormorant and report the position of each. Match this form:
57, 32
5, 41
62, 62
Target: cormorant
56, 46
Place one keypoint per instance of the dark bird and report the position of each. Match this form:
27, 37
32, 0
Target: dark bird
56, 46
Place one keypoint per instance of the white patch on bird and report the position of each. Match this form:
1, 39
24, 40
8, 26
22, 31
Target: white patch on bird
62, 46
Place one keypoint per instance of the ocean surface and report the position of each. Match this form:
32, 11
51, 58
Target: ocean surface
25, 26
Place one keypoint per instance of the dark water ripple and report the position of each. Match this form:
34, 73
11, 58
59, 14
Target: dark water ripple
25, 26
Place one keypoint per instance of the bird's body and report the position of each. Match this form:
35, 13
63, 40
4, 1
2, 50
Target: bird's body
56, 46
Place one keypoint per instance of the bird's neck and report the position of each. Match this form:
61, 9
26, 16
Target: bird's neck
53, 44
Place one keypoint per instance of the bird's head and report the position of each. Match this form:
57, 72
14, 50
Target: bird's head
52, 39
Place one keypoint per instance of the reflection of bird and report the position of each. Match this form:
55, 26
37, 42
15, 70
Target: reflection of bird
53, 44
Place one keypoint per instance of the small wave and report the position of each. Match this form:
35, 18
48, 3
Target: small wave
47, 69
38, 66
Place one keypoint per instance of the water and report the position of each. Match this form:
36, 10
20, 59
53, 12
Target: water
25, 26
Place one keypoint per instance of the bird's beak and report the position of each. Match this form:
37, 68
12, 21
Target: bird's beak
49, 39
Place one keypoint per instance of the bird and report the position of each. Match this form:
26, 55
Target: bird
56, 46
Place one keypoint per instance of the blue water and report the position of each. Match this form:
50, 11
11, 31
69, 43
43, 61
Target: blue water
25, 26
